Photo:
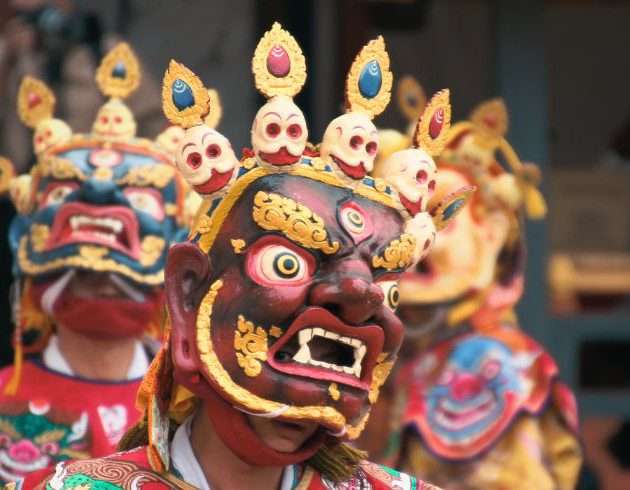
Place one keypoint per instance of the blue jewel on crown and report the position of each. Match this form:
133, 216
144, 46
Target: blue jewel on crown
182, 95
370, 80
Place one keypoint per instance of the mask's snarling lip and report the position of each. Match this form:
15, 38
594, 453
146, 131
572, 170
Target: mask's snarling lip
281, 157
115, 227
320, 346
216, 181
357, 172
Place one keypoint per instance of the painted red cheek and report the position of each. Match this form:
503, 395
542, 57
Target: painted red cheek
48, 133
371, 148
118, 119
104, 119
39, 139
432, 186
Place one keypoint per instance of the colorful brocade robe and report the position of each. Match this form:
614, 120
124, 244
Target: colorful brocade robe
54, 417
485, 410
132, 470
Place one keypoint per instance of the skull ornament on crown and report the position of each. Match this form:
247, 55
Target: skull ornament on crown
281, 305
279, 132
119, 77
92, 205
36, 104
204, 156
350, 141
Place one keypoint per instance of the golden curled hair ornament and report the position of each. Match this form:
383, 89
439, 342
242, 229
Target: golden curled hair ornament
185, 100
278, 64
411, 98
369, 81
433, 126
36, 102
118, 75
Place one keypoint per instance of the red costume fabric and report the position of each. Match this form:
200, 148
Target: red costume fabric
467, 391
132, 469
54, 417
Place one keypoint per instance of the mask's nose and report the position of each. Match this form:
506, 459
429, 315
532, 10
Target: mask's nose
100, 192
466, 386
353, 299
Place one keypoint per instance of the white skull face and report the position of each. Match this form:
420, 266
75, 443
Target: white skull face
206, 159
279, 132
114, 122
170, 138
413, 174
422, 228
350, 142
49, 133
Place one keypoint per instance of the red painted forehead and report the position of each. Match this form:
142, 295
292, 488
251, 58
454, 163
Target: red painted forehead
359, 225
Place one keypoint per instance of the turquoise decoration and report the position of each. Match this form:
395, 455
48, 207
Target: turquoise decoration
452, 208
182, 95
119, 70
370, 80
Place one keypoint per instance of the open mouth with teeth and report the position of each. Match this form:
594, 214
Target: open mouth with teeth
456, 416
320, 346
356, 172
115, 227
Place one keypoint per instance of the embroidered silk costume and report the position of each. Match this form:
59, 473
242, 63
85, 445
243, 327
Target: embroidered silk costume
281, 305
477, 402
105, 203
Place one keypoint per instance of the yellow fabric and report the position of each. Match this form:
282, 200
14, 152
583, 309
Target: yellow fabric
536, 453
182, 403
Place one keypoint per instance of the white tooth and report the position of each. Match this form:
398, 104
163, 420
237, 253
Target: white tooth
117, 226
355, 342
304, 336
315, 363
319, 331
303, 355
357, 370
331, 335
348, 369
344, 340
325, 365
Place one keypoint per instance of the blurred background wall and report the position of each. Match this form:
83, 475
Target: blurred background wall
561, 65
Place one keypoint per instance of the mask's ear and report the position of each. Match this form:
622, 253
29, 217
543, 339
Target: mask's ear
186, 277
446, 210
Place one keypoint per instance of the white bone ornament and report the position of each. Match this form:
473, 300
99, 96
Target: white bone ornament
350, 143
206, 160
422, 228
114, 122
50, 133
279, 132
412, 174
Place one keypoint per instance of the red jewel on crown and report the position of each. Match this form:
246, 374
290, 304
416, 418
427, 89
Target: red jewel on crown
437, 123
278, 61
33, 100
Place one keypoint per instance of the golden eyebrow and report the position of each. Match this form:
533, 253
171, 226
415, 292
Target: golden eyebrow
60, 168
398, 254
157, 175
273, 212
